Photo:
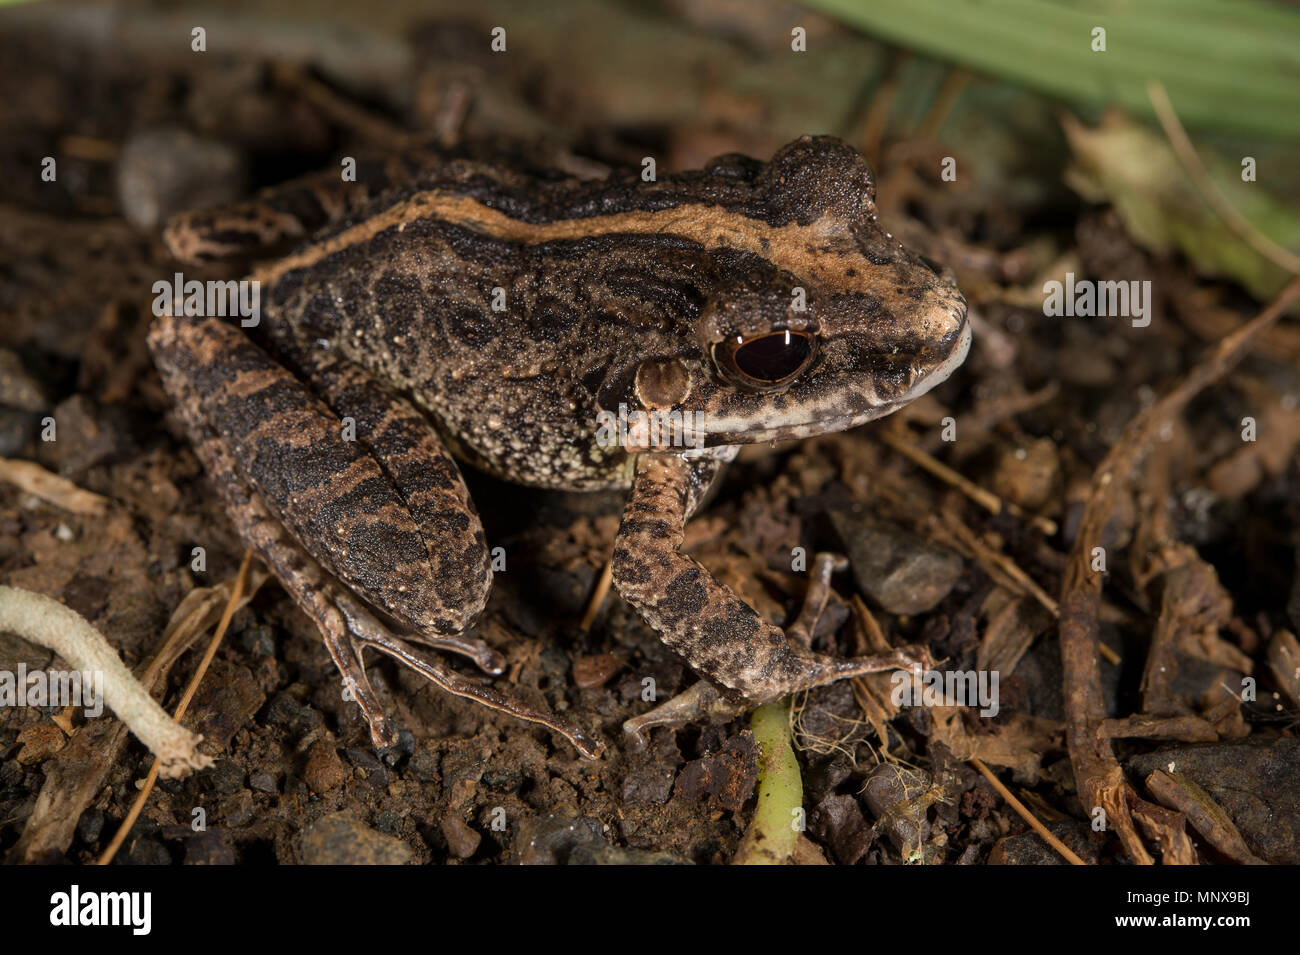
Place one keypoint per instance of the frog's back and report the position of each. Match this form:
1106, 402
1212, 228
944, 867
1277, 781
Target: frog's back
512, 307
516, 306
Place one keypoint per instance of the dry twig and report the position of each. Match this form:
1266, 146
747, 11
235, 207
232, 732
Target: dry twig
1097, 772
1187, 155
34, 479
986, 499
1025, 814
236, 592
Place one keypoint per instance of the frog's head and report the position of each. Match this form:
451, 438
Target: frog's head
816, 321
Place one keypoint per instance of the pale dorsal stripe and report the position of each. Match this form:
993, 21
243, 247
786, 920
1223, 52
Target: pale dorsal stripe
817, 250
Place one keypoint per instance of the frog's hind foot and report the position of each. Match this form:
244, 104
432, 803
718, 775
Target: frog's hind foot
280, 215
365, 631
347, 629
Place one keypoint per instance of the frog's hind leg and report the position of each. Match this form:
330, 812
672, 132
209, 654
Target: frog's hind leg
718, 634
403, 444
328, 520
427, 569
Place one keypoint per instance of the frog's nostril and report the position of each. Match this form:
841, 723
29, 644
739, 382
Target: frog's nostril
931, 264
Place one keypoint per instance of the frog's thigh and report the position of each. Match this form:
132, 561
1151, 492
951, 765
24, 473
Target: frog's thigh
327, 491
696, 615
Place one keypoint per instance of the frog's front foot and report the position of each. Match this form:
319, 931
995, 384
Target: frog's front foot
701, 702
704, 701
747, 660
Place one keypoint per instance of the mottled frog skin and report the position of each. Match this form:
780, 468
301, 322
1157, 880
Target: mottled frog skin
484, 312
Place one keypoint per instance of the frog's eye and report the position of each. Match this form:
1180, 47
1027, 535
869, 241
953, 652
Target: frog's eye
765, 362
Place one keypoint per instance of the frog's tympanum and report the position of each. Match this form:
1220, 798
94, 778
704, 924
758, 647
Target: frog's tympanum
501, 317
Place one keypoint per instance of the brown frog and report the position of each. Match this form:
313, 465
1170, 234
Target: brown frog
557, 333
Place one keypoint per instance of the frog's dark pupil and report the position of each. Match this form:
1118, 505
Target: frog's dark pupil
773, 357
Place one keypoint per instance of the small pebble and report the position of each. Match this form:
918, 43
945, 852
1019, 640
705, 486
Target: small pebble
40, 742
462, 841
263, 782
593, 671
340, 839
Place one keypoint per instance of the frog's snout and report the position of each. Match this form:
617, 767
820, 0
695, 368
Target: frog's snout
950, 363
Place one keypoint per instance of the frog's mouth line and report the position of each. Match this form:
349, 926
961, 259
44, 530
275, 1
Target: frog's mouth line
770, 429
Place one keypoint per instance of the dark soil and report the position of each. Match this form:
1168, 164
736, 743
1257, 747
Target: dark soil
1038, 404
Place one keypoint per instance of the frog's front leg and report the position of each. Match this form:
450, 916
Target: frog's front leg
331, 521
718, 634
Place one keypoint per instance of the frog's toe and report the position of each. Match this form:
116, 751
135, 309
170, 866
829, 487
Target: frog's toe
382, 734
458, 685
487, 659
369, 632
815, 669
345, 649
825, 564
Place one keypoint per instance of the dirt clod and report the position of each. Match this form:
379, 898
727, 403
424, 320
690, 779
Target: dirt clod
462, 841
341, 839
324, 770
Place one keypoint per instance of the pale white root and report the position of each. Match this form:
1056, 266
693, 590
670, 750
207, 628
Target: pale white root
48, 623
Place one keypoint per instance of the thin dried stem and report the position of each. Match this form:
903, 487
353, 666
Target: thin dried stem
31, 477
1023, 812
1191, 160
986, 499
236, 592
597, 597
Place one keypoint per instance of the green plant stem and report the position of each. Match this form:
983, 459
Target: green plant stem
774, 830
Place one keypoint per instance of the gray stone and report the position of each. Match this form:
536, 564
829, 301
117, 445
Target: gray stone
164, 171
1256, 781
901, 572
